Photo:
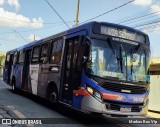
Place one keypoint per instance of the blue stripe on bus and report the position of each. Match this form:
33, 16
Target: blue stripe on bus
128, 98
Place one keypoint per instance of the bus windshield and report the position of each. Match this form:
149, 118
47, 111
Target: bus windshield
117, 60
136, 64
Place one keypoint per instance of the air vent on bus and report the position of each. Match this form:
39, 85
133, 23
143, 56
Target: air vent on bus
130, 89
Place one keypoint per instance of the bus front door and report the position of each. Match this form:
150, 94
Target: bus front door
71, 76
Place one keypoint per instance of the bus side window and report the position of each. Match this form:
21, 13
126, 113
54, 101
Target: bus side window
7, 59
56, 51
21, 57
44, 53
35, 55
15, 58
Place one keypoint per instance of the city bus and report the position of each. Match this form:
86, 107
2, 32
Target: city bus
96, 67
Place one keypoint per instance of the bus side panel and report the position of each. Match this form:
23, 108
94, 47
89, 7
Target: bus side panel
55, 77
18, 72
34, 70
43, 80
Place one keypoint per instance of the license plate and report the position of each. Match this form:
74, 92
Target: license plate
125, 109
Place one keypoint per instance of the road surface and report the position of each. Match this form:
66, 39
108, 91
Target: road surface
23, 105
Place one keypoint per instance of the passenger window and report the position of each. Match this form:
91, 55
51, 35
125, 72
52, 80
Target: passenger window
56, 51
35, 55
44, 54
7, 59
15, 58
21, 57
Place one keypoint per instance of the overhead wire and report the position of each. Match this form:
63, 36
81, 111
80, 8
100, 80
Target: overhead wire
150, 26
108, 11
33, 29
141, 17
138, 14
57, 13
62, 18
147, 23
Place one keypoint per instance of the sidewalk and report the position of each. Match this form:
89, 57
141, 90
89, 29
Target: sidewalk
5, 113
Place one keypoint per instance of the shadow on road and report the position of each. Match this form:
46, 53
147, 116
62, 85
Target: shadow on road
71, 114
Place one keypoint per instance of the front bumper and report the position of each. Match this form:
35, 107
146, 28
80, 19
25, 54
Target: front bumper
90, 104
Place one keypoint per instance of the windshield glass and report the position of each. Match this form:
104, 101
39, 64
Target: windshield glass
106, 60
117, 60
136, 63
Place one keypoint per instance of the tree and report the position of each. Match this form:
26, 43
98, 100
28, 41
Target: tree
2, 61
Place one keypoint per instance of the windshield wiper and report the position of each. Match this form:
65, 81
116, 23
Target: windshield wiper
113, 47
133, 59
114, 50
137, 48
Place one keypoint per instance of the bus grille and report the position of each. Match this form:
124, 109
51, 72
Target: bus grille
116, 106
122, 88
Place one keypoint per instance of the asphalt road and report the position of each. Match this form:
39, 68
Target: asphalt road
23, 105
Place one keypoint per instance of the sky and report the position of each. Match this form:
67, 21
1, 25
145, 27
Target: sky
20, 20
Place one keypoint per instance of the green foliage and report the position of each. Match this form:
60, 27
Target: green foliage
2, 59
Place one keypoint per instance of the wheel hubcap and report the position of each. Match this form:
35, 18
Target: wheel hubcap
53, 97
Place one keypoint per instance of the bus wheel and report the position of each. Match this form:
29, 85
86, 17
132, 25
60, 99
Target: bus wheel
53, 96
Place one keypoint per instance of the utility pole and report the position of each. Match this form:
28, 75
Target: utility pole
77, 12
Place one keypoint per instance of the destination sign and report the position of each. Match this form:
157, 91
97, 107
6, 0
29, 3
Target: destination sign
122, 33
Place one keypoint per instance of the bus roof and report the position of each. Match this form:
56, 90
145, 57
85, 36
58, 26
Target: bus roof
86, 26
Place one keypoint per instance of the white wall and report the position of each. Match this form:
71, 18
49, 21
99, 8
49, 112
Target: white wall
154, 96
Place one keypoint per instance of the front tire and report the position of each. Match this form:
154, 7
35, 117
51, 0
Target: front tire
53, 96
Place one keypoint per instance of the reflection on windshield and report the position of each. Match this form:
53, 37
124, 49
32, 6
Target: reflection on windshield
110, 59
136, 64
104, 60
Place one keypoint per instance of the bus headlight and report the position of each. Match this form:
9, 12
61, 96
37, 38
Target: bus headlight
90, 90
94, 93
